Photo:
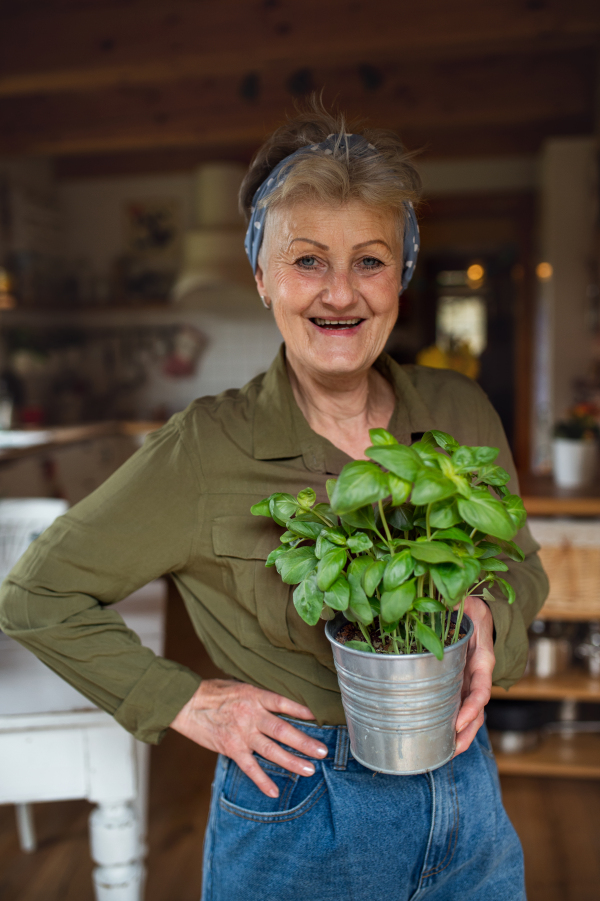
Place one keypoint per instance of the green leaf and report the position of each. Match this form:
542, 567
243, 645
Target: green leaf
372, 577
330, 487
359, 646
322, 546
400, 517
486, 513
397, 602
430, 486
443, 440
381, 438
336, 536
427, 450
513, 505
452, 534
429, 605
326, 511
308, 600
338, 595
453, 582
360, 483
428, 638
493, 475
492, 565
282, 507
489, 549
282, 549
289, 538
398, 570
444, 514
296, 565
430, 552
512, 551
359, 542
330, 567
487, 595
399, 489
364, 518
507, 590
467, 459
261, 509
327, 613
306, 498
403, 461
359, 605
305, 529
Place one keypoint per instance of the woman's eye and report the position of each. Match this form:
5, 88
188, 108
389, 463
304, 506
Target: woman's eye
308, 262
370, 263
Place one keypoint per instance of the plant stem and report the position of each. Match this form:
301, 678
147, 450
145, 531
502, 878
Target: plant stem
427, 515
461, 610
472, 533
367, 637
385, 525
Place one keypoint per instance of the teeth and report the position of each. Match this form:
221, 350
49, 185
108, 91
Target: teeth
346, 322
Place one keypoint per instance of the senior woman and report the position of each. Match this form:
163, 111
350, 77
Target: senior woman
333, 240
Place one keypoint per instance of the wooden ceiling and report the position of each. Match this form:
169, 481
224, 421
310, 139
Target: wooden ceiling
136, 85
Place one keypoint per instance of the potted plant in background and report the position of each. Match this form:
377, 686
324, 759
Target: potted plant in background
407, 536
575, 447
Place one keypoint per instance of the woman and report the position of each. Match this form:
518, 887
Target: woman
332, 239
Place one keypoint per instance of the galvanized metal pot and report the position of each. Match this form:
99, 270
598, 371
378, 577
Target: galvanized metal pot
400, 709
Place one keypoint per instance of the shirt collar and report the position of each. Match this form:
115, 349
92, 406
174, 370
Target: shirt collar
281, 431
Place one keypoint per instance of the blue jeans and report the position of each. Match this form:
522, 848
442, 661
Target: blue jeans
349, 833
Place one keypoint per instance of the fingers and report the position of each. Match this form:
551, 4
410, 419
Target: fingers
465, 738
270, 750
476, 699
288, 735
252, 768
279, 704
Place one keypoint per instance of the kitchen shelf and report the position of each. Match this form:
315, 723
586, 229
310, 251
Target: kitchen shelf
575, 684
543, 498
575, 757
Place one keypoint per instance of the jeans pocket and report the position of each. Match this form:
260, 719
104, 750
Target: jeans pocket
297, 794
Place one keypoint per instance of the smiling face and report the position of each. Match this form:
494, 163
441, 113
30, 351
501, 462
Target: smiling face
333, 276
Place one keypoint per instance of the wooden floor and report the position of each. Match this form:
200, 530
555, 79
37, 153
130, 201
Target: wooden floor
558, 821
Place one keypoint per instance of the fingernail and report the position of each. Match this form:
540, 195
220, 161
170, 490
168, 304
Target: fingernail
309, 769
273, 792
321, 752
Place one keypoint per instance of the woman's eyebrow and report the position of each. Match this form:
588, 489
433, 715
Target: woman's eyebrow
310, 241
374, 241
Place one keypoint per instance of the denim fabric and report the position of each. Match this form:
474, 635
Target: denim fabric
349, 833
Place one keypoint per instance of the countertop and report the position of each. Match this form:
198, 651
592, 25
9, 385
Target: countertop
17, 443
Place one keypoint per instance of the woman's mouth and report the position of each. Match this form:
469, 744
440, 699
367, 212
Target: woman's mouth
336, 324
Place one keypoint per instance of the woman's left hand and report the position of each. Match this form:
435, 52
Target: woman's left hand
477, 680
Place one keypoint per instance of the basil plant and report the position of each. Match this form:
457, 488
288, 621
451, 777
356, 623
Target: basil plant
406, 537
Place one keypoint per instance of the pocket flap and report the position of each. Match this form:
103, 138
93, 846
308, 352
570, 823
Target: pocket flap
245, 537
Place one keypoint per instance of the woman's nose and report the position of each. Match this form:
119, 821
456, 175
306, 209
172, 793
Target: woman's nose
340, 293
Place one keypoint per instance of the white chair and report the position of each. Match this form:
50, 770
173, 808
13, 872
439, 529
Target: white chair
22, 520
55, 745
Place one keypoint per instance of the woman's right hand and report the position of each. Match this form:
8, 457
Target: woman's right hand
236, 719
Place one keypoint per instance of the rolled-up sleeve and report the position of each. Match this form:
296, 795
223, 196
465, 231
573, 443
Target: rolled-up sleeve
140, 524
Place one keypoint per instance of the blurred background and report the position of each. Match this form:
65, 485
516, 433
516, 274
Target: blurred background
125, 129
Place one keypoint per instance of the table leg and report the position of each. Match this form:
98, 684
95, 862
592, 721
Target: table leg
114, 838
26, 827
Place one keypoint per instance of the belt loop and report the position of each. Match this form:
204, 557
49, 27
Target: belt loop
342, 748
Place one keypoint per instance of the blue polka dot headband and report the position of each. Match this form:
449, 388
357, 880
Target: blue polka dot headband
356, 145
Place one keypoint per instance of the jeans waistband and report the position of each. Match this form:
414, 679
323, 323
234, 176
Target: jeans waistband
335, 738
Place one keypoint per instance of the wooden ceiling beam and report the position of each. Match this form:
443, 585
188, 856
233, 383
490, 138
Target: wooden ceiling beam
45, 49
488, 93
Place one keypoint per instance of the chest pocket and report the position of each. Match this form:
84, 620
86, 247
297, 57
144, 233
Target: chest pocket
241, 545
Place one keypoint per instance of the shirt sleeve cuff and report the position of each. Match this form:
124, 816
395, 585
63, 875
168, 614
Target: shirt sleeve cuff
156, 699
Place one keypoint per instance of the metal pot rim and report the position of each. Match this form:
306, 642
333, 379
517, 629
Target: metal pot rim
337, 622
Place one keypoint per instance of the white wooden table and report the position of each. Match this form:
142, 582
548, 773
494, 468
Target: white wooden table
54, 745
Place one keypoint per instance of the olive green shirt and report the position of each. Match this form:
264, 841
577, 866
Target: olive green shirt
181, 505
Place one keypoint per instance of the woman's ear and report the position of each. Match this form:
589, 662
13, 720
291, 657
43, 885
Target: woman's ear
258, 278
